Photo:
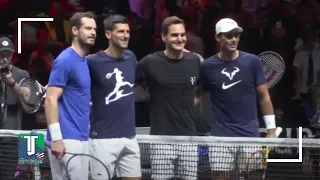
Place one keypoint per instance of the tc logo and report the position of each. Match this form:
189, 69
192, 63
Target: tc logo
31, 144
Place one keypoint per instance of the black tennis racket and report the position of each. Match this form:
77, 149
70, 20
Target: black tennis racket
32, 95
273, 66
73, 155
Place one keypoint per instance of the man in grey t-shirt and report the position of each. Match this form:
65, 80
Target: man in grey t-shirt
12, 120
13, 113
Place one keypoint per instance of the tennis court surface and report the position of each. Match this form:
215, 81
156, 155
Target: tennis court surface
194, 152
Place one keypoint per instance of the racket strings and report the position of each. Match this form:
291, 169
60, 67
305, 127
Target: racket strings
33, 102
273, 66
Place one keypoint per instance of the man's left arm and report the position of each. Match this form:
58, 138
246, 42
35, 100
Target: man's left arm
13, 82
264, 98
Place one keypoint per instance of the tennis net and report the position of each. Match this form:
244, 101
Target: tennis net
165, 157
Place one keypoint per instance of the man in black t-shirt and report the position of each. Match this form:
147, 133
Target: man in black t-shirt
170, 77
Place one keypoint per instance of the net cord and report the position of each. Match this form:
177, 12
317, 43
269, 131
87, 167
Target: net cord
202, 140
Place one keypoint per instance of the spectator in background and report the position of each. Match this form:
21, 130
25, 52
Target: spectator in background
40, 63
257, 33
140, 35
6, 15
306, 65
141, 7
210, 13
58, 31
194, 43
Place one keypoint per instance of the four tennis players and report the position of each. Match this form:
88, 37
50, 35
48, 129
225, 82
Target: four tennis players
234, 79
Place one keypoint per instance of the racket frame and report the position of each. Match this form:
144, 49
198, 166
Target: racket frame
40, 89
73, 155
281, 59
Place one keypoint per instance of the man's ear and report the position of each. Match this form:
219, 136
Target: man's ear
163, 37
74, 30
107, 33
217, 37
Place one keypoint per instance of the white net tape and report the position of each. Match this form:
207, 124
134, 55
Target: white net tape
197, 151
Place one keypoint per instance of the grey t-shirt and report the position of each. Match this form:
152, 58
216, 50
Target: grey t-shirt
14, 110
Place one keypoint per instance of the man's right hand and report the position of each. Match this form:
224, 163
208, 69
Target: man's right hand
58, 149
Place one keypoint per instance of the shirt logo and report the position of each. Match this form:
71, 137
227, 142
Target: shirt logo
230, 76
117, 93
229, 85
192, 79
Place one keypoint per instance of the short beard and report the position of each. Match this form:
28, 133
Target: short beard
82, 43
116, 45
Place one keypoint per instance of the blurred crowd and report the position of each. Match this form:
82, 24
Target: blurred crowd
288, 27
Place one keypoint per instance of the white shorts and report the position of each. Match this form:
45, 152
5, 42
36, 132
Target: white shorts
164, 158
228, 158
78, 167
120, 153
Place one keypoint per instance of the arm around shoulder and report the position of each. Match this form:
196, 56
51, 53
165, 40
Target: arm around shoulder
199, 56
141, 71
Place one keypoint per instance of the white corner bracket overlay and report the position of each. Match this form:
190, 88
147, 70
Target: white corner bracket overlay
299, 160
20, 20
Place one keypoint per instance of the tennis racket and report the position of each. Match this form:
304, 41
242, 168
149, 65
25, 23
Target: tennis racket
273, 66
265, 155
33, 94
73, 155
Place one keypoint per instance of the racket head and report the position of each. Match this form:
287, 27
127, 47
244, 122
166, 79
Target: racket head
33, 95
273, 66
72, 157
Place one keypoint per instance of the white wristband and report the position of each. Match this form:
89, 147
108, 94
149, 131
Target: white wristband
270, 121
55, 132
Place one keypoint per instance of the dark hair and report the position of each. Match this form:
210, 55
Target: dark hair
110, 21
168, 22
75, 20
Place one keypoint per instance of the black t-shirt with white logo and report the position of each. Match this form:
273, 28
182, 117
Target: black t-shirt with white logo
171, 85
